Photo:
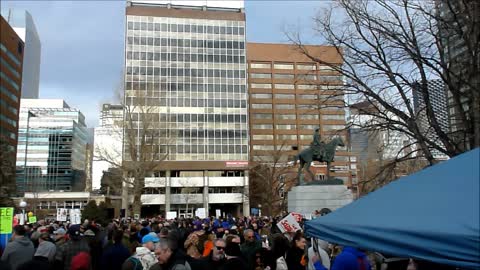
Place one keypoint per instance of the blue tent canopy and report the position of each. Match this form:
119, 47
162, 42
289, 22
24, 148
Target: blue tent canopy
431, 215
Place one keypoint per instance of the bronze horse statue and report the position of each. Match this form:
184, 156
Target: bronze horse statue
307, 156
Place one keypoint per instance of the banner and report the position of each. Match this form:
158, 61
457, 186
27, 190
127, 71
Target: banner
75, 216
288, 224
32, 219
62, 214
6, 220
171, 215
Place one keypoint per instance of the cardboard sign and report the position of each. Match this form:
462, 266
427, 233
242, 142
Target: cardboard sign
288, 224
201, 213
32, 219
171, 214
6, 220
75, 216
298, 217
62, 214
218, 213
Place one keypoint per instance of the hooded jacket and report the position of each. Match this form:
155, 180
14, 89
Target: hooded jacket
19, 251
146, 257
351, 259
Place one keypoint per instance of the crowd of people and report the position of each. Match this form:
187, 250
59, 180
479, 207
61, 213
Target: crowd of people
249, 243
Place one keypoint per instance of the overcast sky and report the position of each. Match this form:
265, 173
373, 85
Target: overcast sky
83, 43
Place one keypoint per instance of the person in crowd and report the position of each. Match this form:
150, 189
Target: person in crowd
66, 252
234, 259
144, 258
351, 259
169, 256
250, 246
318, 250
115, 255
59, 237
46, 248
279, 250
20, 250
216, 259
296, 254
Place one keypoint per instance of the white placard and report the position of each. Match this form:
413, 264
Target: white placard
75, 216
218, 213
201, 213
62, 214
288, 224
171, 215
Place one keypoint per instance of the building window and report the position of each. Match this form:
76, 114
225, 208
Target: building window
261, 106
260, 65
307, 77
330, 78
286, 116
262, 96
284, 76
262, 137
262, 116
285, 96
283, 66
264, 147
286, 137
306, 137
333, 117
306, 66
284, 86
311, 97
307, 86
262, 126
332, 127
285, 106
260, 75
325, 68
286, 126
261, 85
309, 116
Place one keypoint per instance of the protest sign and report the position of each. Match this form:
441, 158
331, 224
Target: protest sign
32, 219
6, 220
62, 214
201, 213
171, 214
75, 216
298, 217
218, 213
288, 224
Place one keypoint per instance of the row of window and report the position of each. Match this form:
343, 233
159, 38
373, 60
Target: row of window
197, 133
186, 43
10, 55
294, 116
208, 58
9, 67
10, 81
293, 106
292, 76
292, 86
9, 94
300, 127
289, 66
186, 102
282, 137
192, 117
7, 133
8, 120
187, 87
4, 104
300, 96
186, 28
186, 72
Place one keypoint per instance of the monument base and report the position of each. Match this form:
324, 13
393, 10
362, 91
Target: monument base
306, 199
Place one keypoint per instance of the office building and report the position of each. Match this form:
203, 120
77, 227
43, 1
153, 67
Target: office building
290, 96
438, 101
186, 67
11, 59
107, 142
51, 148
23, 24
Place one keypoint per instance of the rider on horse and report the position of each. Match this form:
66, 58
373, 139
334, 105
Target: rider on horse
317, 145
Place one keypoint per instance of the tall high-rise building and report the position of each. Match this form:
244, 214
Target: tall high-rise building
11, 59
51, 148
290, 96
107, 147
186, 70
23, 24
438, 101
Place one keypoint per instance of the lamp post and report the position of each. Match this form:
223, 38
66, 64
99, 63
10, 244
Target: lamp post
25, 170
23, 205
259, 210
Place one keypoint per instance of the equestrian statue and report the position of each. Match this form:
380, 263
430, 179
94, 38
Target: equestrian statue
318, 151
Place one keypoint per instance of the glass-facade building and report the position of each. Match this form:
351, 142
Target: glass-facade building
185, 71
51, 147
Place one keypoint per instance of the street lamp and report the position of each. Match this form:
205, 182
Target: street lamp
25, 171
259, 210
23, 205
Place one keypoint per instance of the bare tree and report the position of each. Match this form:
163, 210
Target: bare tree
270, 180
391, 48
140, 154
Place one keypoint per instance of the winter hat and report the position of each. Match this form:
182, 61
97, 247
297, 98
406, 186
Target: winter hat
74, 231
150, 238
60, 231
233, 249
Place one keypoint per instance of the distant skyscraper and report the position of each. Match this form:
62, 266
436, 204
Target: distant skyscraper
52, 145
107, 142
438, 101
23, 24
186, 62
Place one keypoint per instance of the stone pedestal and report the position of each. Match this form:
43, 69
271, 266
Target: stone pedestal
307, 199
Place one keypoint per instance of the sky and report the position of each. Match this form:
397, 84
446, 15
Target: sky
83, 43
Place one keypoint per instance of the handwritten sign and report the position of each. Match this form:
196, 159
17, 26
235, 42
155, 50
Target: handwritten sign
298, 217
288, 224
6, 220
32, 219
62, 214
171, 215
201, 213
75, 216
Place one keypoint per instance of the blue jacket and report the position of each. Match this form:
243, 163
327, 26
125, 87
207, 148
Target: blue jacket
350, 259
